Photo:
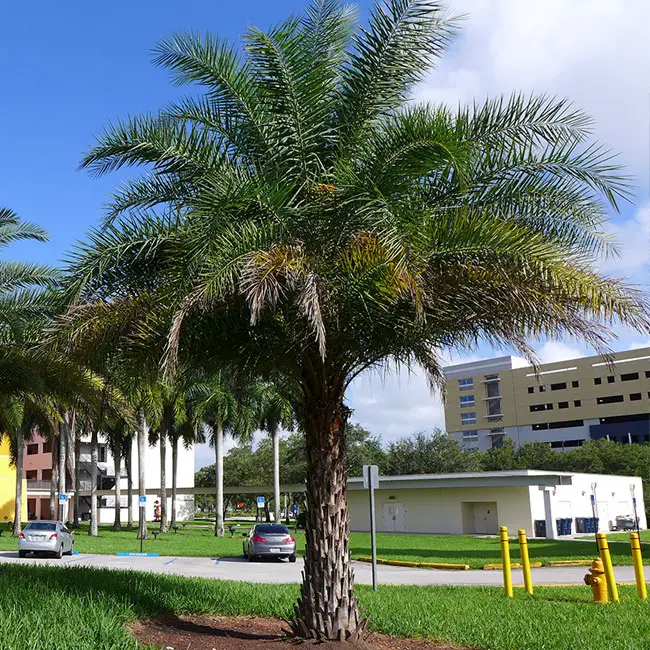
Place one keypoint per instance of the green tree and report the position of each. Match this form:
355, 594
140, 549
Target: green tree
428, 454
499, 458
303, 218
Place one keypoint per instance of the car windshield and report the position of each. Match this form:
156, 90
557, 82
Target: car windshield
40, 525
272, 530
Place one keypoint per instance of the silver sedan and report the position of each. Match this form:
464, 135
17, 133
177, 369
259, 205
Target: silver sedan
50, 537
269, 540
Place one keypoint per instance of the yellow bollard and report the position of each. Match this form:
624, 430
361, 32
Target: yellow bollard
505, 560
596, 580
603, 547
637, 560
525, 561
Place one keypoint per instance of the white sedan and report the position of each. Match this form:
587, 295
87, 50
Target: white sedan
50, 537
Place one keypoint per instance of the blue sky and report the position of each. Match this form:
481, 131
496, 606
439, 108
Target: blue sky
68, 68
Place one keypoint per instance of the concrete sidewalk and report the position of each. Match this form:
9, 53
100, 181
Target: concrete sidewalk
283, 572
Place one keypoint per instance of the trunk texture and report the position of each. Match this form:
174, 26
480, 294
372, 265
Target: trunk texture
117, 459
94, 458
327, 607
276, 476
63, 439
174, 478
218, 511
164, 524
142, 446
20, 450
71, 436
55, 476
128, 462
77, 479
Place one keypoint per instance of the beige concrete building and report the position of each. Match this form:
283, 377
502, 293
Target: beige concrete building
477, 503
564, 403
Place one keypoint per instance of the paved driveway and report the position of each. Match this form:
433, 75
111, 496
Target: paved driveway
284, 572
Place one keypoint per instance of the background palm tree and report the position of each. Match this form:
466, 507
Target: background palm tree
319, 224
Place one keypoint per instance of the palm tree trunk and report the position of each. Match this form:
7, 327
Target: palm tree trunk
18, 508
128, 462
174, 442
327, 607
63, 434
77, 479
94, 457
142, 442
71, 426
218, 511
55, 476
117, 460
164, 524
275, 435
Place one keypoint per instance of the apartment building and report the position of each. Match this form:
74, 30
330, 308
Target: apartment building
38, 475
563, 404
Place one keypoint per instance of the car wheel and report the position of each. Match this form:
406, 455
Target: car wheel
22, 553
59, 553
292, 558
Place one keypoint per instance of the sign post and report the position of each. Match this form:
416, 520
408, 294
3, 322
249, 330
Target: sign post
143, 515
63, 501
636, 516
371, 481
260, 505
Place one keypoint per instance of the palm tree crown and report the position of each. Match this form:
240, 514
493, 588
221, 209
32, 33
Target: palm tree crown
303, 217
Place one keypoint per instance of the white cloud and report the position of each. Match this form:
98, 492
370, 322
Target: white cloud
633, 237
594, 52
637, 345
553, 351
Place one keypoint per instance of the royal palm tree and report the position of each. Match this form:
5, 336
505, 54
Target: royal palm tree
275, 412
304, 218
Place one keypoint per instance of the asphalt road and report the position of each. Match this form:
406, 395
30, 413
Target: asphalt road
280, 571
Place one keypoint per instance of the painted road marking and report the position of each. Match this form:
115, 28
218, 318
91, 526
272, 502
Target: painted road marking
170, 561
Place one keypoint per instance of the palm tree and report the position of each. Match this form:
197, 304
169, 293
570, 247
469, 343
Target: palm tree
275, 413
303, 218
223, 412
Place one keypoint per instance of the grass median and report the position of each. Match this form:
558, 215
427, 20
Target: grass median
76, 608
474, 551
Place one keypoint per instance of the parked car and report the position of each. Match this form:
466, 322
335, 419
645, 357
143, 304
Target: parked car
269, 540
45, 537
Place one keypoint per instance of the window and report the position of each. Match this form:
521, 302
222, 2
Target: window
575, 383
466, 384
540, 427
494, 407
630, 376
46, 475
573, 443
635, 397
566, 424
47, 447
647, 374
102, 454
467, 400
611, 379
468, 418
470, 436
542, 389
32, 450
598, 381
559, 386
497, 441
577, 403
611, 399
497, 430
535, 408
563, 405
531, 389
31, 474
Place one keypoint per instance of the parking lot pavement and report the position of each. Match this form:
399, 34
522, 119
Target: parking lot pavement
285, 572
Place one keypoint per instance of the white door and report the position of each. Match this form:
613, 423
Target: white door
393, 515
485, 518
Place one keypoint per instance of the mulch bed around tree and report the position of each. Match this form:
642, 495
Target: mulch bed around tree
210, 633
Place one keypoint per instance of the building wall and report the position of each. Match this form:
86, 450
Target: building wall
440, 510
8, 485
568, 401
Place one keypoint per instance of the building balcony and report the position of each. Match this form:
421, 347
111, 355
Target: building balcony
38, 485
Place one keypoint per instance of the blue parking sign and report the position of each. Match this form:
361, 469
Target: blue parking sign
143, 500
295, 509
260, 502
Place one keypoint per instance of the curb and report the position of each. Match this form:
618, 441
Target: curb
570, 562
418, 565
513, 565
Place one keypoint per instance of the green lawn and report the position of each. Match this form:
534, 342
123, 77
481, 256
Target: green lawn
475, 551
75, 608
